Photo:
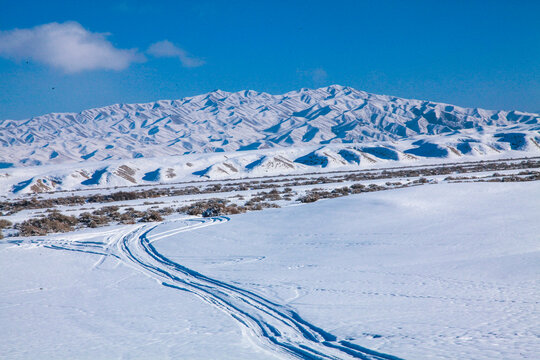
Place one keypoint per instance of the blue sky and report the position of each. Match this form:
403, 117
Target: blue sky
58, 56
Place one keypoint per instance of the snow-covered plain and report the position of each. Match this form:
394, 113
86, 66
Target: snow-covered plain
444, 271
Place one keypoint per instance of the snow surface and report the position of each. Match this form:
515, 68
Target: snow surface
440, 271
59, 305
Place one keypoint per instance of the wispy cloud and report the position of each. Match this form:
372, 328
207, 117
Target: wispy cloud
67, 46
317, 76
166, 48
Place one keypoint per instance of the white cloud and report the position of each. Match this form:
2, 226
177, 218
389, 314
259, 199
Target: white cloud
166, 48
67, 46
319, 75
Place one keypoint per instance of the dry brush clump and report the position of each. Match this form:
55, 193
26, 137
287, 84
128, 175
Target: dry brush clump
54, 222
212, 207
217, 207
317, 194
259, 206
263, 200
151, 216
92, 221
4, 224
523, 176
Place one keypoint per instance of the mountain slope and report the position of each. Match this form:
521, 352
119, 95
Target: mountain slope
248, 120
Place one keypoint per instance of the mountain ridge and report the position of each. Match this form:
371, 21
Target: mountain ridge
219, 91
221, 121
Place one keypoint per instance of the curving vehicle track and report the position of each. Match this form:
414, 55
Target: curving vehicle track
276, 328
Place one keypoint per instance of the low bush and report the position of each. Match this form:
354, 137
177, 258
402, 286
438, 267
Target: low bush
4, 224
92, 220
151, 216
212, 207
54, 222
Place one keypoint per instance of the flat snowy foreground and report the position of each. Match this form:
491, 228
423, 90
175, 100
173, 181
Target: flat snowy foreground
447, 271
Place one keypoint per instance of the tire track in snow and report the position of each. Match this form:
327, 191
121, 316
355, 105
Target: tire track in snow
276, 328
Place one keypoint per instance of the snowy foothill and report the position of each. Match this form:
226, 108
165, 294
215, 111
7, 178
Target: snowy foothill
439, 271
238, 165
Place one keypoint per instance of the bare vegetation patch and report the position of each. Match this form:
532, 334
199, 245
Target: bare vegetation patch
4, 224
212, 207
126, 172
54, 222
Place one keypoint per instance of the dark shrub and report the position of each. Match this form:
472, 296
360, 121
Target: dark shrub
5, 224
53, 223
309, 198
212, 207
151, 216
93, 221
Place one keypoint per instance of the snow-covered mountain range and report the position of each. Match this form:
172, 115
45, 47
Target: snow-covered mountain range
247, 120
331, 126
